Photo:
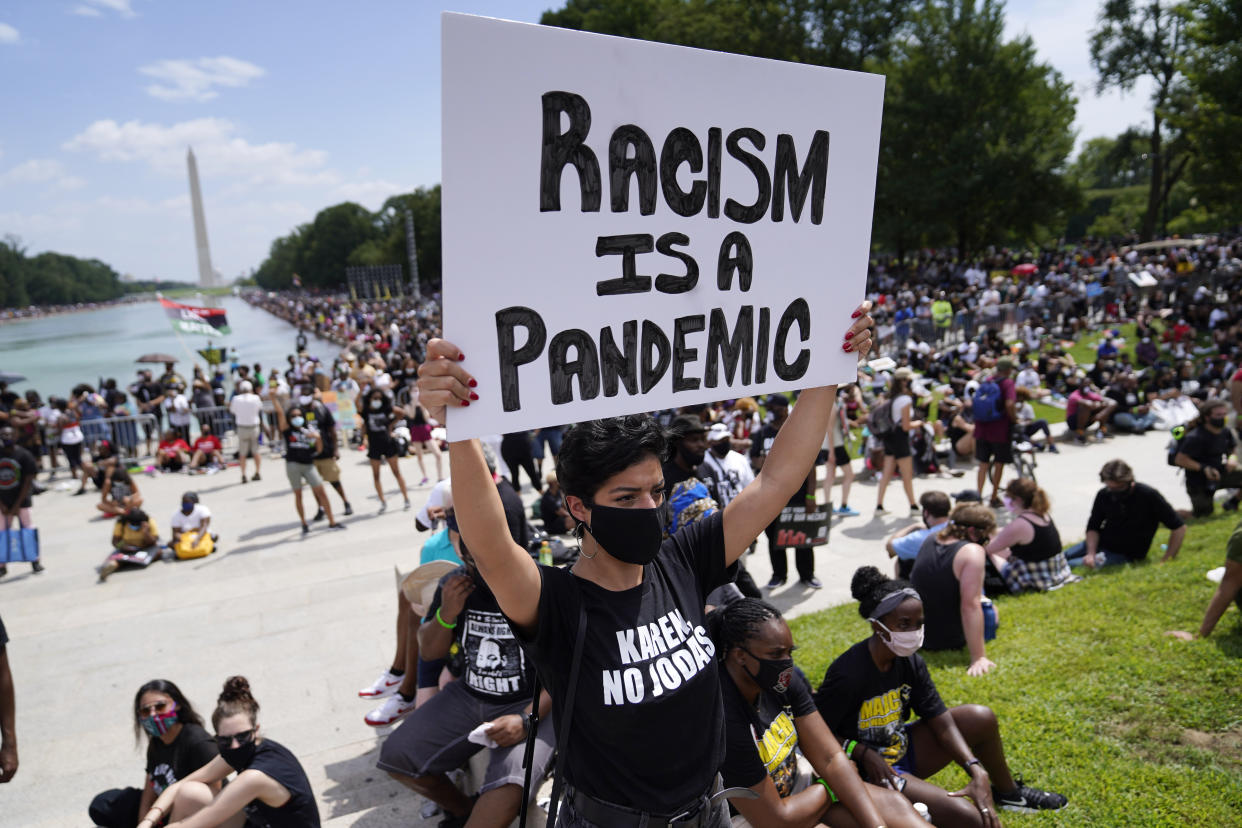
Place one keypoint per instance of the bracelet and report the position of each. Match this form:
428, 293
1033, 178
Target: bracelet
525, 721
444, 623
832, 797
849, 746
972, 761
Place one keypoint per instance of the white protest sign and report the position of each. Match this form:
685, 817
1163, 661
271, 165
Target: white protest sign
630, 226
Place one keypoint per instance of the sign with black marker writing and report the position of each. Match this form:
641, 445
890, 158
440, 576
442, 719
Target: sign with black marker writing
630, 226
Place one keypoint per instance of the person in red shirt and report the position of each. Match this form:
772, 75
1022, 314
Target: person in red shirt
206, 449
173, 453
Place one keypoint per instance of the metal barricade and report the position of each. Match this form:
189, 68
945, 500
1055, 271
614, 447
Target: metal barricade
126, 433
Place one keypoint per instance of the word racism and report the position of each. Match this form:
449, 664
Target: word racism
640, 360
677, 652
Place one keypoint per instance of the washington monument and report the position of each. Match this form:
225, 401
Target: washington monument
206, 276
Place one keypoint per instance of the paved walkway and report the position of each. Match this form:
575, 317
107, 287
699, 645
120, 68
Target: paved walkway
308, 621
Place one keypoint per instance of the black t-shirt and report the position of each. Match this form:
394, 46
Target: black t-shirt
275, 760
321, 418
192, 749
495, 668
299, 445
932, 575
859, 702
378, 418
763, 740
1207, 448
515, 513
1128, 524
1125, 398
647, 721
145, 392
761, 442
15, 468
674, 474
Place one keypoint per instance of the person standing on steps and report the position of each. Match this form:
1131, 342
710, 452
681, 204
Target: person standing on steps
995, 414
804, 556
18, 469
381, 419
326, 461
302, 443
247, 409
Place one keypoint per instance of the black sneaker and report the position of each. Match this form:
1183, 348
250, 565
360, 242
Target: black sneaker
36, 565
349, 510
1027, 800
305, 529
318, 516
811, 583
776, 582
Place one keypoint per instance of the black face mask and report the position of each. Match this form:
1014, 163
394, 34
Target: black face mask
630, 535
239, 758
1216, 422
690, 458
721, 449
774, 674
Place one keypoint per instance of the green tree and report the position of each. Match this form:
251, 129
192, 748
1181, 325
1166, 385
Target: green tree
1214, 126
851, 34
1147, 40
335, 233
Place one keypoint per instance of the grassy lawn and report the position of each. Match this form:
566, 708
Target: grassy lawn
1094, 700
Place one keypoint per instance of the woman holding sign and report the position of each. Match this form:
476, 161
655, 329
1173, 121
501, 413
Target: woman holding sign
620, 639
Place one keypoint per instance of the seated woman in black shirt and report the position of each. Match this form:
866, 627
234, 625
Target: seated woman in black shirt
771, 723
1027, 552
177, 746
271, 789
869, 692
633, 604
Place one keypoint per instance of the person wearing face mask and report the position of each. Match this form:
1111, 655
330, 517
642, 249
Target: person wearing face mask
381, 419
18, 469
1027, 552
271, 788
177, 745
619, 637
728, 469
1125, 516
804, 556
247, 409
189, 526
207, 450
948, 573
494, 693
688, 446
905, 543
771, 723
320, 418
868, 694
1206, 453
136, 541
302, 443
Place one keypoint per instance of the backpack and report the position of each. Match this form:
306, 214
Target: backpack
880, 420
988, 407
1175, 444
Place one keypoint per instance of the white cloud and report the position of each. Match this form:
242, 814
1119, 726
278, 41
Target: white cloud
194, 80
42, 171
8, 34
95, 8
221, 153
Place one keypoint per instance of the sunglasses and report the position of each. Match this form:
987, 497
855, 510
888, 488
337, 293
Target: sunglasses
243, 738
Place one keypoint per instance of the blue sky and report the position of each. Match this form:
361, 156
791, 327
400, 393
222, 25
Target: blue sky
290, 107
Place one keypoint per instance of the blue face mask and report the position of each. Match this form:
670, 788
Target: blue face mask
186, 508
297, 422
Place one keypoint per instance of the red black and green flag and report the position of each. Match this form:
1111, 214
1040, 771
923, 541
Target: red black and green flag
192, 320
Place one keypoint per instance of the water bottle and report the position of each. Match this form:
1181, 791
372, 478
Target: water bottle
545, 553
921, 810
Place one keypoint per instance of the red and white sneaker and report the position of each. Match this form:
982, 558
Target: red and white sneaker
393, 709
385, 685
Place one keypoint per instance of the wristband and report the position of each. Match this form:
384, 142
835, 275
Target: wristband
832, 797
849, 746
444, 623
525, 721
972, 761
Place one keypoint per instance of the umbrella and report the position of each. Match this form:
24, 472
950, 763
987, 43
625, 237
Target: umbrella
1025, 269
156, 358
9, 377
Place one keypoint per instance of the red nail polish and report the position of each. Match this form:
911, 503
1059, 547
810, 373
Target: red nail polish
856, 314
460, 357
847, 347
849, 335
465, 403
473, 396
473, 384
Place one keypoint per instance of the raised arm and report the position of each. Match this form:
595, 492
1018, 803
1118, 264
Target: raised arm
508, 569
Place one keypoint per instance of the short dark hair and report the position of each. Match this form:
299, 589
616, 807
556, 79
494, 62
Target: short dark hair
594, 451
185, 710
936, 504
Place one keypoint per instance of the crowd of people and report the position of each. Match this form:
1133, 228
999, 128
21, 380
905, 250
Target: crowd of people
655, 626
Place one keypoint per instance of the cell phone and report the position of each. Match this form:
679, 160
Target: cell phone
882, 364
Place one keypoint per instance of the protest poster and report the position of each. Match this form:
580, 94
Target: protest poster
629, 226
798, 526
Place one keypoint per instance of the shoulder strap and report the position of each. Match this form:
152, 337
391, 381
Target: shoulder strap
567, 718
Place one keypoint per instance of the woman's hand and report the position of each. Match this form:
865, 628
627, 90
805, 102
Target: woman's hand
858, 337
442, 382
979, 789
874, 769
980, 666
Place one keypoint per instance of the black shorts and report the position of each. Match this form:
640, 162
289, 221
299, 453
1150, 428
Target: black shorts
987, 451
897, 444
840, 455
822, 457
381, 446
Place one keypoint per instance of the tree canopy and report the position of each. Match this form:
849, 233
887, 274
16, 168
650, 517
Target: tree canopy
53, 278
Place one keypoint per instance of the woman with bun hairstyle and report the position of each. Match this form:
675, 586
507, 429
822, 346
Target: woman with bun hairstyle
1027, 552
771, 723
177, 745
271, 789
868, 694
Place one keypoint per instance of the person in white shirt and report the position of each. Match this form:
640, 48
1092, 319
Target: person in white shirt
190, 524
177, 406
731, 471
246, 409
1029, 378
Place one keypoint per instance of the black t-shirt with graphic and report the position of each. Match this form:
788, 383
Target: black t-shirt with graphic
1207, 449
192, 749
859, 702
647, 721
319, 417
299, 444
764, 739
275, 761
761, 442
15, 468
378, 418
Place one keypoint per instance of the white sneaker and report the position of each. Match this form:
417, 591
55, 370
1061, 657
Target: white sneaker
393, 708
385, 685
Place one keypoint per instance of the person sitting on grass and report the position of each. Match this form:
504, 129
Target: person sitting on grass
190, 525
1029, 425
1027, 552
1230, 589
771, 723
1085, 407
173, 453
1123, 522
905, 543
271, 787
207, 449
118, 491
868, 694
136, 541
948, 573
